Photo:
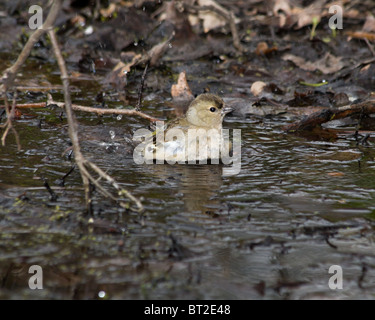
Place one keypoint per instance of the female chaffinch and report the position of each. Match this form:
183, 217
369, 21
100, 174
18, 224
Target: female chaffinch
203, 121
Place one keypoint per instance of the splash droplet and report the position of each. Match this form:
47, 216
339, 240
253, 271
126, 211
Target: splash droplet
119, 117
112, 134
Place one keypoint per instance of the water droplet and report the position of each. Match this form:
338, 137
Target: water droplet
112, 134
170, 45
135, 44
144, 8
101, 294
119, 117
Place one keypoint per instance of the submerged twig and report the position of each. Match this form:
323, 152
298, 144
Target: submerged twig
141, 87
317, 118
49, 189
8, 124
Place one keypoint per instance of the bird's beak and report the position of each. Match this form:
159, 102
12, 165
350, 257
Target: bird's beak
226, 110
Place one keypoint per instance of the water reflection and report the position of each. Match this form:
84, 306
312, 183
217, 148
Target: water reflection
197, 184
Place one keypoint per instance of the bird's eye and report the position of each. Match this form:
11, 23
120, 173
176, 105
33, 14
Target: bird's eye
212, 109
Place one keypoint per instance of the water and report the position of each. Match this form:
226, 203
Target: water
297, 207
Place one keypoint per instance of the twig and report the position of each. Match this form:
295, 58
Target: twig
8, 124
29, 105
100, 111
121, 191
81, 161
7, 81
317, 118
73, 130
141, 87
51, 192
10, 73
370, 47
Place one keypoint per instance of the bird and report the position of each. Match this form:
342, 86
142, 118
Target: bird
202, 122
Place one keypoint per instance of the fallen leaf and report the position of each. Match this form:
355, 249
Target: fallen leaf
328, 64
181, 90
212, 20
257, 88
369, 25
281, 5
108, 12
305, 16
281, 9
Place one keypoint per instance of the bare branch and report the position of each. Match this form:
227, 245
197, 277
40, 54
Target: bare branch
317, 118
8, 124
10, 74
82, 163
100, 111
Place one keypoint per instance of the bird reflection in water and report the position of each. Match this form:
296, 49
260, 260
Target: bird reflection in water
199, 184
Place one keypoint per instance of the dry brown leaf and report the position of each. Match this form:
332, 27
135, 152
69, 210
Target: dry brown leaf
369, 25
281, 5
281, 9
181, 90
306, 15
107, 12
257, 88
212, 20
328, 64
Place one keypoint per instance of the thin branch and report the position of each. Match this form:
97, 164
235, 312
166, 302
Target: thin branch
100, 111
83, 163
121, 191
10, 73
370, 47
7, 81
73, 128
29, 105
317, 118
7, 108
8, 124
141, 87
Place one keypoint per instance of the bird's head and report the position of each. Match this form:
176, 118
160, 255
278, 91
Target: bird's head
207, 110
